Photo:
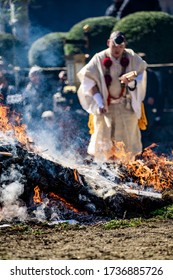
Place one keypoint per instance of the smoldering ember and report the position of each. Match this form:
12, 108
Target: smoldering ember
38, 187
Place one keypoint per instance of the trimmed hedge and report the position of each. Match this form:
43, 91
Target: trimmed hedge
151, 33
48, 51
100, 29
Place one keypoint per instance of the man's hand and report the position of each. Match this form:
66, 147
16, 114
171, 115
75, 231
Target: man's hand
102, 110
99, 100
128, 77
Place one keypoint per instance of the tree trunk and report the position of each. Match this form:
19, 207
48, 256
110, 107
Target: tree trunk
2, 20
20, 19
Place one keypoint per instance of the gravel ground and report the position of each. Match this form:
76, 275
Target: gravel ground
153, 239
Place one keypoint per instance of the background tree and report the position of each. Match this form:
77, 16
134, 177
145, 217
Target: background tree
14, 29
48, 51
96, 29
150, 33
2, 17
19, 19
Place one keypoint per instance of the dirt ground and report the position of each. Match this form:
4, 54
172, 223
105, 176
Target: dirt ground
151, 240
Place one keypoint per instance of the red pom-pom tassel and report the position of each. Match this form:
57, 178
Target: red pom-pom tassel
107, 62
124, 61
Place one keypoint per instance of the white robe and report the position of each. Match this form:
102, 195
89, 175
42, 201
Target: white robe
111, 126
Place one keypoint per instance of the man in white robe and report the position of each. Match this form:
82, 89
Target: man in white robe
113, 98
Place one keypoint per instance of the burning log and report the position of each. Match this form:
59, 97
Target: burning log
50, 176
105, 189
114, 189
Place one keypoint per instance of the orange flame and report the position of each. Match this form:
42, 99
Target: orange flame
36, 197
10, 122
55, 196
76, 175
118, 152
152, 170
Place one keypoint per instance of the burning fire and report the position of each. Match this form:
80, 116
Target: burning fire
152, 170
76, 175
148, 169
68, 205
36, 197
10, 123
118, 152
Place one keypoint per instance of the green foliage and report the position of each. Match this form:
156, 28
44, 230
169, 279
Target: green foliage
123, 223
164, 213
151, 33
48, 51
100, 29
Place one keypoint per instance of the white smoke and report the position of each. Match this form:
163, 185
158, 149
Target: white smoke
11, 192
12, 205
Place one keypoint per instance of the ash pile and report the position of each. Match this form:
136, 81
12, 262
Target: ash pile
36, 187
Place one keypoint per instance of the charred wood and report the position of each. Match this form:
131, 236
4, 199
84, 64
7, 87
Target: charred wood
100, 193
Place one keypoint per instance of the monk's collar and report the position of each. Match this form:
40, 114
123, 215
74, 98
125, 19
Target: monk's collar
115, 60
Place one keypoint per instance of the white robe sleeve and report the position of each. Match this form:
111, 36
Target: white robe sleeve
89, 76
138, 95
85, 98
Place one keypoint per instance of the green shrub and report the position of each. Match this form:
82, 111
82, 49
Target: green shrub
151, 33
164, 213
48, 51
100, 29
